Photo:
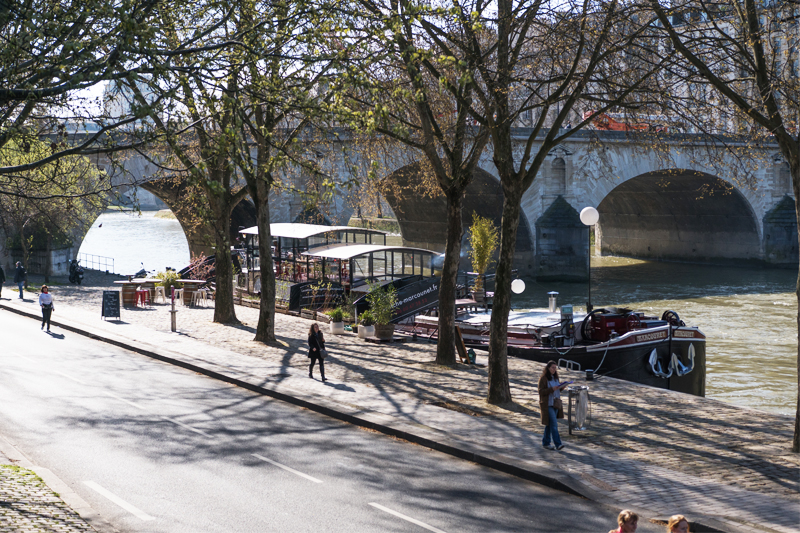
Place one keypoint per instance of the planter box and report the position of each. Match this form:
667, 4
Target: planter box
337, 328
384, 331
366, 331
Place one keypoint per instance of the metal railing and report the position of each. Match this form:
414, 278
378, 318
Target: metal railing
97, 262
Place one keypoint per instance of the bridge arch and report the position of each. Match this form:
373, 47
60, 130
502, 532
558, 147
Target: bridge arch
678, 214
421, 209
199, 234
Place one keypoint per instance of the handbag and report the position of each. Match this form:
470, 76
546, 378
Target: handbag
323, 353
557, 405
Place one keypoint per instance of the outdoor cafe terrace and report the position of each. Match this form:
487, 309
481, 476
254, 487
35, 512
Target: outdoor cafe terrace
340, 254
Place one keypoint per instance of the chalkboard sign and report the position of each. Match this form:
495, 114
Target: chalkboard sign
110, 304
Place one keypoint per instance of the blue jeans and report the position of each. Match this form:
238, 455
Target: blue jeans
551, 430
20, 285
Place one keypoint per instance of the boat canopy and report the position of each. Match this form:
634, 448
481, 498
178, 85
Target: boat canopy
305, 231
349, 251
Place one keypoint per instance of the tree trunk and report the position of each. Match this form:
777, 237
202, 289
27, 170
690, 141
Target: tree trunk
499, 389
25, 252
794, 166
224, 312
265, 331
47, 257
445, 348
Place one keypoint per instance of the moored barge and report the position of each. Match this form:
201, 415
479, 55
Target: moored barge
658, 351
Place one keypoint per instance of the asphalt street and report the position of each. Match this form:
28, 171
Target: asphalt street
155, 448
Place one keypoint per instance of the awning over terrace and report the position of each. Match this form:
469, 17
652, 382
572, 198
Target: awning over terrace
305, 231
348, 251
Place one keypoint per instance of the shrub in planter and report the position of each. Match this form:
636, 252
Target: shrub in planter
366, 318
483, 238
168, 280
337, 317
366, 327
381, 304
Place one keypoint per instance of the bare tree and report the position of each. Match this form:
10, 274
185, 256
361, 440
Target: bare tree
279, 93
429, 111
543, 60
739, 62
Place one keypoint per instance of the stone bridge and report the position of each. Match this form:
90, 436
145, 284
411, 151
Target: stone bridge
677, 199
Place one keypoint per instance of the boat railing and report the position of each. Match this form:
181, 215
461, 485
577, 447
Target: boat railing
570, 365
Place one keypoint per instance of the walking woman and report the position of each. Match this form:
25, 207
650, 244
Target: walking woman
46, 301
316, 350
550, 405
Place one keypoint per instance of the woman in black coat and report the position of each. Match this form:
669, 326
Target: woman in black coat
316, 350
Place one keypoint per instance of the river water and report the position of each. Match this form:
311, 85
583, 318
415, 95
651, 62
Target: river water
747, 314
132, 239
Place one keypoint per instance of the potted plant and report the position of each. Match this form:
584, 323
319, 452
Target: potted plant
366, 326
337, 321
381, 304
483, 237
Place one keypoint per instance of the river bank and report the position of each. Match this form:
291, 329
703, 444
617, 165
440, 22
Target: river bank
646, 448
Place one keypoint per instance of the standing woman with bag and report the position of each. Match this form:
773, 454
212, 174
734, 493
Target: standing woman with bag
46, 302
316, 350
550, 405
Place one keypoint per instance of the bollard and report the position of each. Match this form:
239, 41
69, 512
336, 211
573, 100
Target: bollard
173, 311
577, 406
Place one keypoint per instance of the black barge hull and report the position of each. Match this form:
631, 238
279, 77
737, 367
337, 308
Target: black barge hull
630, 362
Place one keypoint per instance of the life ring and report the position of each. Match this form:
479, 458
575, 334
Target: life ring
673, 319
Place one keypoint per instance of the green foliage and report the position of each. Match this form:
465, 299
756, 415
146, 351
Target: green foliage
169, 279
42, 206
483, 238
336, 315
382, 303
366, 318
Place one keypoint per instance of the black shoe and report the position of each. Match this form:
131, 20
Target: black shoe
323, 379
310, 375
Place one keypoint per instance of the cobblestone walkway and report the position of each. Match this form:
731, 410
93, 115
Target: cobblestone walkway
28, 505
647, 448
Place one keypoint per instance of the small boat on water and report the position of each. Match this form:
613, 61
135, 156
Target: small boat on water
622, 343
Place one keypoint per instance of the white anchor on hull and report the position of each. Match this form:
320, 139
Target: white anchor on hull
655, 366
680, 368
675, 364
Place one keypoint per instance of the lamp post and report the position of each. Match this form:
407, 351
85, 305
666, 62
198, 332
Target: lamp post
590, 216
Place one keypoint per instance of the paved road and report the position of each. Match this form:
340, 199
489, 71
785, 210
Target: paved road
159, 449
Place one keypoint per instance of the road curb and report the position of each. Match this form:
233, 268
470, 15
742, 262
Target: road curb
551, 478
64, 491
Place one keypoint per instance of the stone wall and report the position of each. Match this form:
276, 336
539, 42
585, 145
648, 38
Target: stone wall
780, 234
562, 244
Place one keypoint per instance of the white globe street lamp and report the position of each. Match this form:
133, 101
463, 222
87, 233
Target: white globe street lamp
589, 216
517, 286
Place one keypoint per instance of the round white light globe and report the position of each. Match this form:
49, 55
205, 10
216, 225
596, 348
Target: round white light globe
517, 286
589, 216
